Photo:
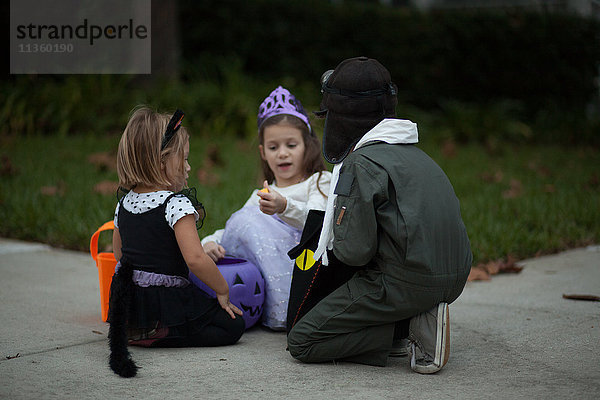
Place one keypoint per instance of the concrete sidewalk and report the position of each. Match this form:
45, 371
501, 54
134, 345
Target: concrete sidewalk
512, 337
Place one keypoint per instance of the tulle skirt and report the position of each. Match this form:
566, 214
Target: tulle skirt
264, 240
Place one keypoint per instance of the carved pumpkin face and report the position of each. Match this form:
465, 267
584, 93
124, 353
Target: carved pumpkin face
246, 287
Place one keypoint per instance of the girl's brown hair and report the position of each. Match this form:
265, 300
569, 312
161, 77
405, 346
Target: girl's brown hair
139, 157
312, 161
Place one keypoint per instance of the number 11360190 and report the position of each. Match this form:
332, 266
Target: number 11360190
45, 48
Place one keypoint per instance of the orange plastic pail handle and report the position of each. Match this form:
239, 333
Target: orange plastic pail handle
110, 225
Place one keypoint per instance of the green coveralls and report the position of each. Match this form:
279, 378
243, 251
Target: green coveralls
400, 211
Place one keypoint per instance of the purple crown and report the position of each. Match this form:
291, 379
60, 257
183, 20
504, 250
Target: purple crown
281, 101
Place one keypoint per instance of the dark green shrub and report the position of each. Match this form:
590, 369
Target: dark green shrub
539, 59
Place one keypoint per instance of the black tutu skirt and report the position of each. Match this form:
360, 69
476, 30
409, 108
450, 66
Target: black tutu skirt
170, 306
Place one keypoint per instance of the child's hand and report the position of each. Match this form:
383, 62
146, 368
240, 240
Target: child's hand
271, 202
214, 251
227, 306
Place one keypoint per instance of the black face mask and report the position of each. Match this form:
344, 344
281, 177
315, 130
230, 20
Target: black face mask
357, 95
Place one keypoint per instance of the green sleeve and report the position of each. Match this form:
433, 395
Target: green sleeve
359, 193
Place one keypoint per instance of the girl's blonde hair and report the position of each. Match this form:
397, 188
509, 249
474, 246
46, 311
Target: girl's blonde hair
312, 161
139, 157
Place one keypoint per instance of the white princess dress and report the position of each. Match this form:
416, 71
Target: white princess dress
264, 240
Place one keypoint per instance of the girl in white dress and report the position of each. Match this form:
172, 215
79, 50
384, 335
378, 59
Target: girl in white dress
271, 221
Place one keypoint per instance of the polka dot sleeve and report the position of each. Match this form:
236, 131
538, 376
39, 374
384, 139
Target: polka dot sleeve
178, 207
116, 218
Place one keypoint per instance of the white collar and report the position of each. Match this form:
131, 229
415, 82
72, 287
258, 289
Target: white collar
389, 130
392, 131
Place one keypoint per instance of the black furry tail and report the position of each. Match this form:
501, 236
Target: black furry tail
119, 302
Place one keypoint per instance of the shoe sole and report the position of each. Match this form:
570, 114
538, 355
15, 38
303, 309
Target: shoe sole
442, 348
400, 349
398, 353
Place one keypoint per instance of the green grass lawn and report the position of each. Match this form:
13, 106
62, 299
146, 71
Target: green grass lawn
525, 200
519, 200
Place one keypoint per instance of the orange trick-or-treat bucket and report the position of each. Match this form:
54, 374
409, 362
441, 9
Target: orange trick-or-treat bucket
106, 263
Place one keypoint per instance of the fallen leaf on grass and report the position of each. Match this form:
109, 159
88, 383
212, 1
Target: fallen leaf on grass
449, 148
49, 190
488, 177
104, 161
542, 171
549, 188
213, 156
483, 272
478, 274
106, 187
243, 146
207, 177
515, 190
7, 168
593, 182
493, 267
57, 190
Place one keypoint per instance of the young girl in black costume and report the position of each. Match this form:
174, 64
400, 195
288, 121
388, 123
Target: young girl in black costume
152, 303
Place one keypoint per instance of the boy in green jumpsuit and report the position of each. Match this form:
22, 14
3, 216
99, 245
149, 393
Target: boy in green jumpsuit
392, 207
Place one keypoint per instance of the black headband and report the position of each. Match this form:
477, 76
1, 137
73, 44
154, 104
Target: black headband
172, 127
390, 89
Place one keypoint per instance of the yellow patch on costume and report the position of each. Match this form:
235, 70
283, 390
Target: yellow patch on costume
306, 260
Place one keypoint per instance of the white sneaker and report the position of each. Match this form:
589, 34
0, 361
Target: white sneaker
429, 336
